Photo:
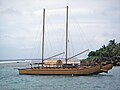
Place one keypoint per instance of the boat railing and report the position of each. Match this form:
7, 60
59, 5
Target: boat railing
39, 65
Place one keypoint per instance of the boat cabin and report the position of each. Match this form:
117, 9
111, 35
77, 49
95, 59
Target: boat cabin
53, 63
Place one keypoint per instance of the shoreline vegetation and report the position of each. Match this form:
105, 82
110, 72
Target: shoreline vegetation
105, 55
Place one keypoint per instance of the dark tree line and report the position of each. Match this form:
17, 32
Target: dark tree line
108, 54
111, 50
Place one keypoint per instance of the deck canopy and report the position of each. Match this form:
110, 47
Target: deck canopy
51, 62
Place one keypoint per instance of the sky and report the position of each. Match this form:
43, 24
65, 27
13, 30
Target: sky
92, 23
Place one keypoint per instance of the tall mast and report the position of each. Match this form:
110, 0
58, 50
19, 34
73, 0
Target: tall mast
66, 34
43, 37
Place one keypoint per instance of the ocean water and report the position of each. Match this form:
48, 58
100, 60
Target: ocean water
11, 80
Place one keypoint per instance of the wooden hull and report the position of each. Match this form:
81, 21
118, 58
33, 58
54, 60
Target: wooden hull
60, 71
105, 68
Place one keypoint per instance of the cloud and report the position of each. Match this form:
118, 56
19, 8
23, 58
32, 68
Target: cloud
10, 11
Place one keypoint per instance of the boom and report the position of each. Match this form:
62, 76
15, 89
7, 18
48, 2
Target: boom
78, 54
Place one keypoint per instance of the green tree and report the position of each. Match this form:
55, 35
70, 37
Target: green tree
112, 49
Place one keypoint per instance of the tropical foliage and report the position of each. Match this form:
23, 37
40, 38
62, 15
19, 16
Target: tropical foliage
112, 49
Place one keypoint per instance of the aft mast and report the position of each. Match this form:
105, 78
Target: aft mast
43, 37
66, 34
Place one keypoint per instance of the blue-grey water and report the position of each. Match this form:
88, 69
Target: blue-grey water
11, 80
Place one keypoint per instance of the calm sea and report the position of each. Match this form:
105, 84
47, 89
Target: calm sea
11, 80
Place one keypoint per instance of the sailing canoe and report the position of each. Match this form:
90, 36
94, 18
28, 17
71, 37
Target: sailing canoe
60, 71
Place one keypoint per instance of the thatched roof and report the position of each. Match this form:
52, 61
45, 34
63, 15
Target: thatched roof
53, 62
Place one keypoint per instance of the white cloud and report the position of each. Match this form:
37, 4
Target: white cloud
10, 11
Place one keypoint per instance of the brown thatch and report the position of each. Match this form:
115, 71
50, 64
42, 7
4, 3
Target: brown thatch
51, 62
